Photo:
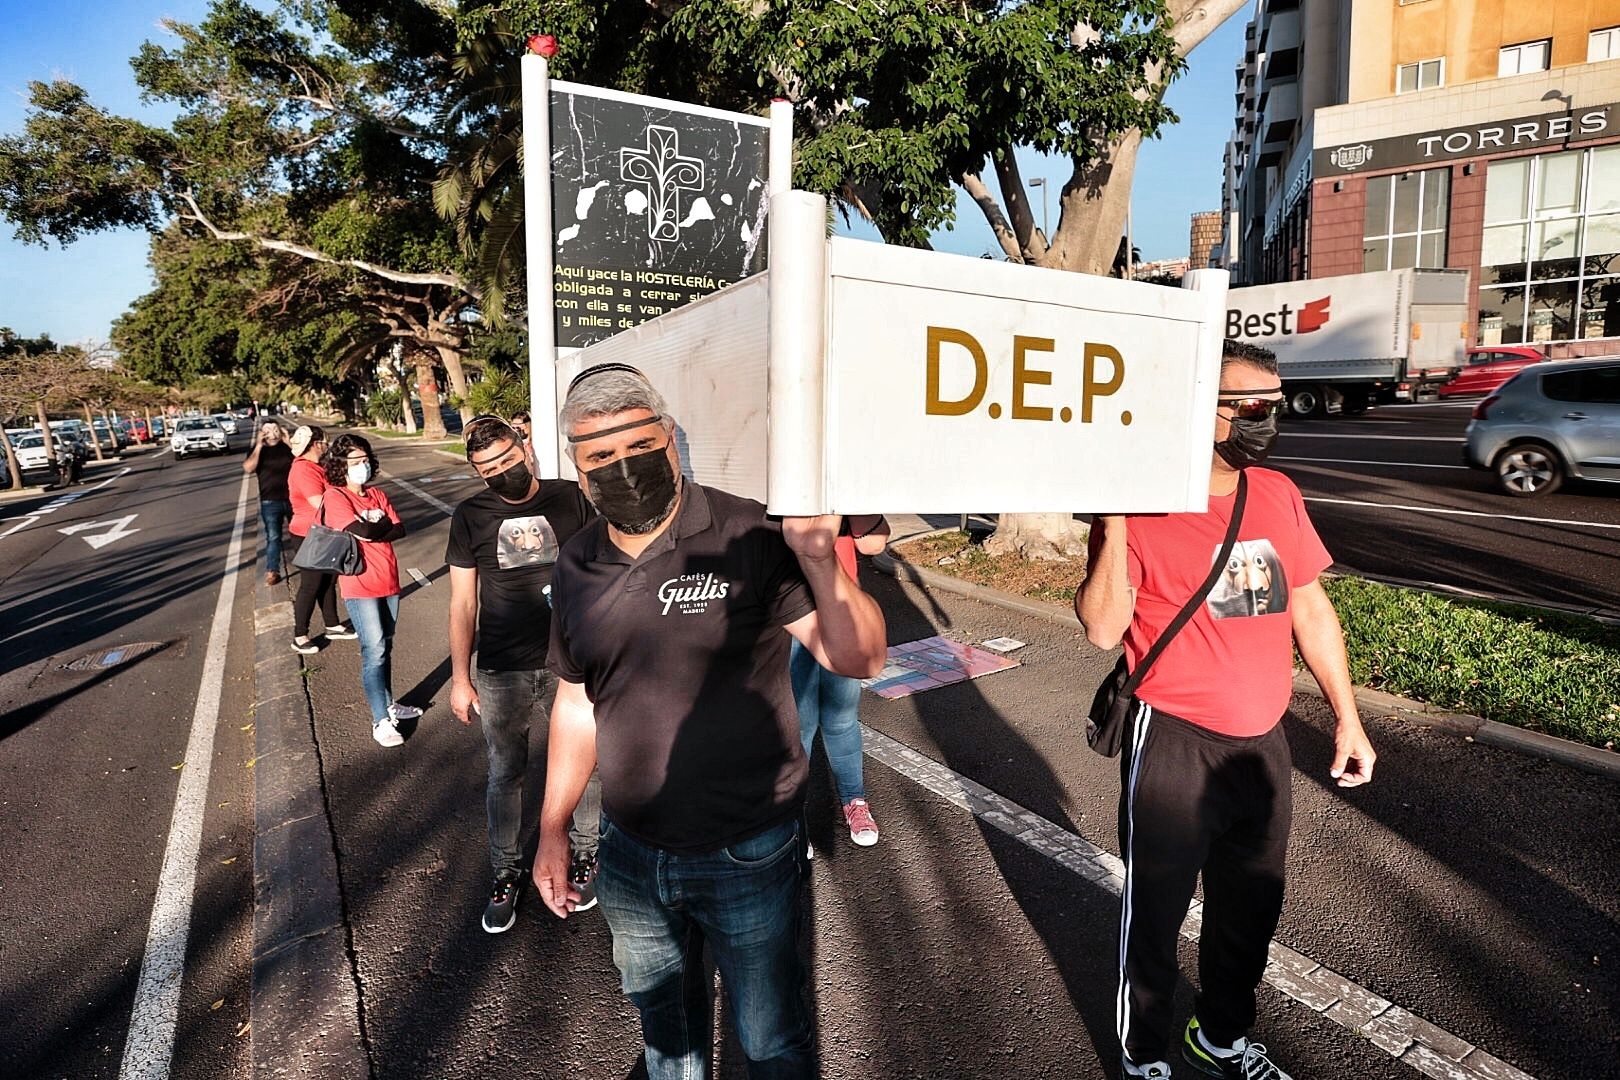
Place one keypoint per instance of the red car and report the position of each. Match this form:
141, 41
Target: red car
1486, 369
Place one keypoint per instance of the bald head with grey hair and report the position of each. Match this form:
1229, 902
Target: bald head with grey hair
614, 389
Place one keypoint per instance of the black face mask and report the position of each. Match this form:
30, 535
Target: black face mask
635, 493
1250, 442
513, 483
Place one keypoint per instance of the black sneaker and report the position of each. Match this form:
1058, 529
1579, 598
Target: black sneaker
1248, 1060
583, 878
341, 632
502, 910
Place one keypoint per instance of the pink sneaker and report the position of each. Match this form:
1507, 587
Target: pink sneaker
862, 829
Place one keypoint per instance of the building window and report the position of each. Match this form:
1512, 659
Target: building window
1524, 58
1423, 75
1405, 223
1550, 260
1603, 45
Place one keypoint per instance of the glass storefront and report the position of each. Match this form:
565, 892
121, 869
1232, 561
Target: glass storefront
1550, 258
1405, 223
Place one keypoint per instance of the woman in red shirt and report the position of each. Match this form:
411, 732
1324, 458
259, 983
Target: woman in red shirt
306, 484
372, 596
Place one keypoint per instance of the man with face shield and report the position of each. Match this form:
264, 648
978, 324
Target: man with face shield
673, 615
503, 544
1206, 768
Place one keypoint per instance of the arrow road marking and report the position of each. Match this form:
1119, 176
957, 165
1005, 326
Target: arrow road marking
120, 529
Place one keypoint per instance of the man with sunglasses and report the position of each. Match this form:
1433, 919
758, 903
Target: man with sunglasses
1206, 769
674, 615
503, 545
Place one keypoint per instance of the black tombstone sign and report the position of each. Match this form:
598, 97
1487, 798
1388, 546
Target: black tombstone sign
652, 207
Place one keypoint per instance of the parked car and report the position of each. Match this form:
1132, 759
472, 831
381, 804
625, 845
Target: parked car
227, 422
30, 450
1487, 369
1550, 422
158, 428
198, 435
111, 441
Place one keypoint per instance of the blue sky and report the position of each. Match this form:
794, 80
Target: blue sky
75, 293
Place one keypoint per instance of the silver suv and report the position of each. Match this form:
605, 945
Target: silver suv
197, 435
1548, 423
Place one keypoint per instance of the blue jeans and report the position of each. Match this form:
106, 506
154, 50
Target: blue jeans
507, 702
744, 902
831, 704
273, 515
374, 619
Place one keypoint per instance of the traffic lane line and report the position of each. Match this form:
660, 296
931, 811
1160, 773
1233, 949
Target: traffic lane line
149, 1047
1395, 1030
1368, 461
1451, 512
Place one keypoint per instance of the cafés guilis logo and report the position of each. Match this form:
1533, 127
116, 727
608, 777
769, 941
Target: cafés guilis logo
691, 594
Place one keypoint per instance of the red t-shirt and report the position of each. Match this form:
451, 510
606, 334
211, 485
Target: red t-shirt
1231, 668
305, 480
381, 575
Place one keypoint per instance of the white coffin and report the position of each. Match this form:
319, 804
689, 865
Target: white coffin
855, 378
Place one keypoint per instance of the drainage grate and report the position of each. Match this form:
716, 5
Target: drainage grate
102, 659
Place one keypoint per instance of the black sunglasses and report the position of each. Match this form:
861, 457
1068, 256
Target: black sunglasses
1253, 408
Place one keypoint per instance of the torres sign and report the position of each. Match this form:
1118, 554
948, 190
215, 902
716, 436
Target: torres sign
1448, 144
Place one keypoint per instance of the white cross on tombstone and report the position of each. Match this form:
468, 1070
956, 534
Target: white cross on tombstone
660, 167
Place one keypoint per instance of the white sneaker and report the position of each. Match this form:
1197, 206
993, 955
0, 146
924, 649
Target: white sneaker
386, 733
403, 712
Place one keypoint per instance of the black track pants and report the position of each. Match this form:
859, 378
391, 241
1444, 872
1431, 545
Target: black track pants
1194, 801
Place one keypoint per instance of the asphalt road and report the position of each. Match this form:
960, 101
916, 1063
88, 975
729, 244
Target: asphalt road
91, 760
1391, 497
1467, 885
1477, 889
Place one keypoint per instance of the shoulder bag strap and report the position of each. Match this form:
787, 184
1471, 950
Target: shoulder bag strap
1184, 616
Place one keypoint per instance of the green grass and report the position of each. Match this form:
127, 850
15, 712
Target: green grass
390, 433
457, 448
1548, 672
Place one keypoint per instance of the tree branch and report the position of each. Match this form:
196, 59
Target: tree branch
1030, 241
974, 186
405, 277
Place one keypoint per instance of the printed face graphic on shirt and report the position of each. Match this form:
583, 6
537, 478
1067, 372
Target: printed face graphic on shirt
1252, 582
526, 541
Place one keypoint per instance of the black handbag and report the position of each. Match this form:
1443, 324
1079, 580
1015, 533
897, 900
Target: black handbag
329, 551
1115, 699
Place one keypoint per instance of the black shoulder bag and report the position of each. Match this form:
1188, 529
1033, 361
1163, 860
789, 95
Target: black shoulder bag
330, 551
1112, 706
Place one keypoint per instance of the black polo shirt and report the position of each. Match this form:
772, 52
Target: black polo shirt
683, 654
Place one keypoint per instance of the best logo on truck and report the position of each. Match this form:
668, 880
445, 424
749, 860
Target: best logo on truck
1310, 317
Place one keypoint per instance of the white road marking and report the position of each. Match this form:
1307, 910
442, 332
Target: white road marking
149, 1047
1383, 1023
61, 501
1357, 436
1464, 513
120, 529
437, 504
1366, 461
418, 577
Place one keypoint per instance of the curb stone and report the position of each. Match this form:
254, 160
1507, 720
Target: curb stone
1490, 732
305, 1009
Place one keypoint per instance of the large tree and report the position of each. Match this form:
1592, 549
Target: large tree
304, 134
900, 106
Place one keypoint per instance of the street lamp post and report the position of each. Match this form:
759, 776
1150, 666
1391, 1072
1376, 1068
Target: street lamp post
1040, 182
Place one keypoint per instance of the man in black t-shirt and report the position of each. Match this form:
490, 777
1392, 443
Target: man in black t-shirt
271, 461
673, 615
503, 543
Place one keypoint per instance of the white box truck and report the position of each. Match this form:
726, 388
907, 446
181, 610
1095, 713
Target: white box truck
1345, 343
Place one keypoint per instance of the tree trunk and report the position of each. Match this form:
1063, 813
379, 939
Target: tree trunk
45, 430
451, 359
1047, 537
13, 469
95, 440
427, 386
151, 432
404, 394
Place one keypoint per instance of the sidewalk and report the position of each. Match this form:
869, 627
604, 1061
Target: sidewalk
977, 940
